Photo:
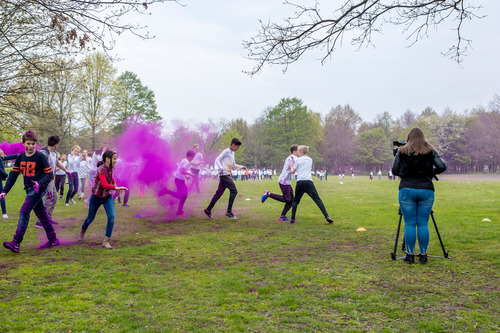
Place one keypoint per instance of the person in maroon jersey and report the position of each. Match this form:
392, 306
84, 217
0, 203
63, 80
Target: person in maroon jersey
37, 174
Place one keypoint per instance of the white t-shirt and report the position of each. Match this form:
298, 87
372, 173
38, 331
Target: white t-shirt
303, 165
181, 168
60, 172
84, 170
286, 174
225, 163
198, 158
73, 163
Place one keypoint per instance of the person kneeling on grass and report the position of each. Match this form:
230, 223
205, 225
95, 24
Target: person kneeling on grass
37, 174
303, 167
101, 195
180, 181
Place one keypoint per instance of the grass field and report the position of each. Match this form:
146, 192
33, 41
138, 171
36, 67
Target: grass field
259, 274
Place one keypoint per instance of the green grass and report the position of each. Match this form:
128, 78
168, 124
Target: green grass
258, 274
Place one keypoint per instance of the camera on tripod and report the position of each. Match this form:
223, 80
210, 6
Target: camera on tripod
397, 144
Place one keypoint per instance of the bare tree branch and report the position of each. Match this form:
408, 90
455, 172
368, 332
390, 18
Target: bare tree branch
284, 43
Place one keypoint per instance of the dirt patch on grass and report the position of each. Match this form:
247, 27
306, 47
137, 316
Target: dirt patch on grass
486, 177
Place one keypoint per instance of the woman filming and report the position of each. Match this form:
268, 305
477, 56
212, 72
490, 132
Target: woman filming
416, 163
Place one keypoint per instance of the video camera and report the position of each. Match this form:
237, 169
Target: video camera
397, 144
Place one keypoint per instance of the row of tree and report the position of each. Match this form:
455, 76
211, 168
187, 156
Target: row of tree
86, 103
341, 139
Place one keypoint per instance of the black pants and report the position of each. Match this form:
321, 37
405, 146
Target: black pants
181, 194
224, 182
287, 197
307, 186
196, 179
60, 180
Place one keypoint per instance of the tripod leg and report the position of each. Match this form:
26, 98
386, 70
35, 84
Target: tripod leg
445, 254
393, 255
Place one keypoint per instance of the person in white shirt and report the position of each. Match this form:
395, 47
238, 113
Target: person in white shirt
285, 182
302, 168
83, 172
73, 166
181, 176
196, 164
61, 176
225, 163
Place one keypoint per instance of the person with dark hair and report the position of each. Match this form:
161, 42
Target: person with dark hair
73, 166
285, 182
225, 163
96, 158
416, 163
180, 181
3, 176
50, 199
305, 184
37, 174
101, 195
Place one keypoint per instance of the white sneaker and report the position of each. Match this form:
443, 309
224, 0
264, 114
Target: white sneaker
67, 204
72, 201
5, 216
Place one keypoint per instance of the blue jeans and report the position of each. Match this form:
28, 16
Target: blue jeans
109, 207
73, 186
34, 203
416, 206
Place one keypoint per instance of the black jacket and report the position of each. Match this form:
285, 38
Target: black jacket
3, 173
417, 171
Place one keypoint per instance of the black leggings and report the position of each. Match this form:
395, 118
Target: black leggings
60, 181
307, 186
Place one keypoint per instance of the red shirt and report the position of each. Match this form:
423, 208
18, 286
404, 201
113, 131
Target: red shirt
104, 182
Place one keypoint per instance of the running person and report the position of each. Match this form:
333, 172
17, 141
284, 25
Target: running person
285, 182
3, 176
196, 163
101, 195
37, 174
50, 199
303, 167
180, 181
73, 166
224, 164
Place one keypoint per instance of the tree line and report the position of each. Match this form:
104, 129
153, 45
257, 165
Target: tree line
87, 103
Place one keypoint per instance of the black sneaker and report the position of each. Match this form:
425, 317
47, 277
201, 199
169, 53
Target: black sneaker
409, 259
292, 220
38, 225
13, 246
53, 222
422, 258
208, 213
231, 216
51, 243
329, 220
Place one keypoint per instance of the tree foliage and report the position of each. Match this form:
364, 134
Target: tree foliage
339, 133
131, 99
96, 80
291, 122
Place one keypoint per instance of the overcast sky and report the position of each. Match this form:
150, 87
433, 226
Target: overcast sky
196, 61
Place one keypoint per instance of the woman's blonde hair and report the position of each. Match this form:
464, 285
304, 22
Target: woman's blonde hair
303, 149
77, 147
416, 143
